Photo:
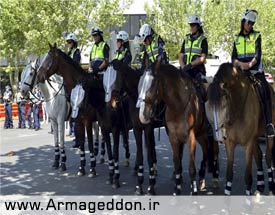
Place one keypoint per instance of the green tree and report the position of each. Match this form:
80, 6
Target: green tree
170, 20
27, 26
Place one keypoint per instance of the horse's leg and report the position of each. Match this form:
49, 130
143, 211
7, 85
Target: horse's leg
116, 134
102, 150
107, 139
248, 166
139, 160
177, 154
203, 141
61, 130
154, 154
271, 169
149, 136
56, 145
230, 148
80, 138
96, 132
258, 155
125, 135
216, 167
89, 129
192, 166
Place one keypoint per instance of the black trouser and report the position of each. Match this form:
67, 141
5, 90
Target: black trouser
267, 101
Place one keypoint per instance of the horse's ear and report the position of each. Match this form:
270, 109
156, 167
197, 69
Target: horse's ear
50, 45
54, 45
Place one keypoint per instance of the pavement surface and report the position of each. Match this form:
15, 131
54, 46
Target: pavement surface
26, 157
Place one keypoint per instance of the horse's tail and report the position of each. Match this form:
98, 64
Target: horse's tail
214, 93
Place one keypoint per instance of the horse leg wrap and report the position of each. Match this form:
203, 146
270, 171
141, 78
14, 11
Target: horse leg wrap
117, 174
111, 171
56, 157
152, 177
260, 180
93, 160
63, 156
140, 175
194, 189
271, 179
177, 185
227, 190
82, 158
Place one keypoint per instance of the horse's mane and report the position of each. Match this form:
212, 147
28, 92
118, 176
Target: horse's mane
227, 75
169, 71
69, 60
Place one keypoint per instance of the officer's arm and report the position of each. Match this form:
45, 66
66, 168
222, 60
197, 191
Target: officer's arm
258, 54
77, 56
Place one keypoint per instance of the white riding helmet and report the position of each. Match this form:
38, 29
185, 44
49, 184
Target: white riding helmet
122, 35
96, 31
145, 31
72, 37
195, 19
250, 15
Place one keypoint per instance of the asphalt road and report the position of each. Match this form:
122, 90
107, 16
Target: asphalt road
28, 170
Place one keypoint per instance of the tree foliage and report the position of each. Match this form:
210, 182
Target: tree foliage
221, 21
26, 27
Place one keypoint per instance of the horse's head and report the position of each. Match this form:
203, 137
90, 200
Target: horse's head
29, 77
218, 105
49, 65
150, 102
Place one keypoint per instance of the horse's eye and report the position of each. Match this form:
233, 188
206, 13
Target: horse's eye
31, 73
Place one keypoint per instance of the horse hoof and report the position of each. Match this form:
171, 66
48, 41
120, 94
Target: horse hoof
127, 163
177, 192
139, 191
260, 188
116, 185
203, 185
102, 160
151, 191
194, 193
92, 174
81, 171
55, 165
63, 167
215, 183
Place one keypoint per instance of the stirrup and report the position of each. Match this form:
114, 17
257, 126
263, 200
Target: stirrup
270, 130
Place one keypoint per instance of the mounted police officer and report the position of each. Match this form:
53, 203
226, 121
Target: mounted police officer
154, 52
246, 54
193, 54
123, 56
8, 98
74, 53
21, 103
99, 57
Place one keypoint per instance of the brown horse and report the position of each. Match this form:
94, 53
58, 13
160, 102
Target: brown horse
184, 119
236, 117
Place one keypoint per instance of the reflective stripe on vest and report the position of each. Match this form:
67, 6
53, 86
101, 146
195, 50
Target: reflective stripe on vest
152, 50
246, 45
97, 52
192, 48
120, 55
72, 53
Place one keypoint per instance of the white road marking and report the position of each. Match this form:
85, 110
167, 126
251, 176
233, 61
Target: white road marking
19, 184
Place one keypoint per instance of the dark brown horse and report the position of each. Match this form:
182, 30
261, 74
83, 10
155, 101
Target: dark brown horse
236, 117
93, 108
128, 80
184, 119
